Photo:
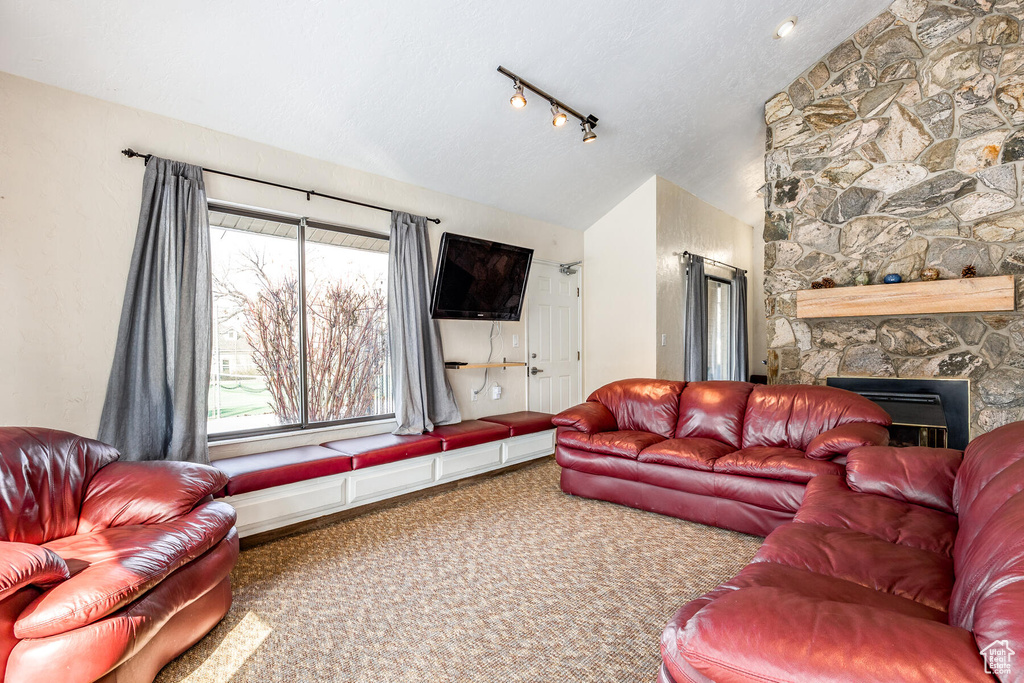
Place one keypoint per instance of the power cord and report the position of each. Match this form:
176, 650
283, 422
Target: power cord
495, 333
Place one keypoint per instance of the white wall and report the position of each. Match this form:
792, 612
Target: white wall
633, 282
69, 204
686, 223
619, 304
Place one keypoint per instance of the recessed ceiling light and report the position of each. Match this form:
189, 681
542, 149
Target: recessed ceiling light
785, 28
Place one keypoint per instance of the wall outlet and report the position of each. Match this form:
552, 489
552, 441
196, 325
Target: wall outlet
515, 341
474, 396
495, 392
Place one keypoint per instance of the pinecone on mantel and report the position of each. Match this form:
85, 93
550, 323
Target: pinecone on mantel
968, 271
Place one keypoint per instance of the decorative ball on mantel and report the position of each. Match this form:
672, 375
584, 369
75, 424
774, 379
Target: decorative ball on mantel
929, 274
827, 283
817, 285
862, 279
968, 271
892, 278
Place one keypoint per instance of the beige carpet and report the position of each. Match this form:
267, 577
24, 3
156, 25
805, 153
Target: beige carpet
505, 580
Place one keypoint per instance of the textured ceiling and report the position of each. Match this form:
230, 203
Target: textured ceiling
408, 89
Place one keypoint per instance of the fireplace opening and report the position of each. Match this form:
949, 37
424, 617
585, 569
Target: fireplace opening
925, 412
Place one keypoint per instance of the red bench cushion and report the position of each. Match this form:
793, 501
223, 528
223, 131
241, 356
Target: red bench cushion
469, 433
277, 468
380, 449
523, 422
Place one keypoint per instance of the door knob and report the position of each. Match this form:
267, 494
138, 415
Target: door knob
535, 370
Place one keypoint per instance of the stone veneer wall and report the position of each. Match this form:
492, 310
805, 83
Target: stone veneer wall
902, 149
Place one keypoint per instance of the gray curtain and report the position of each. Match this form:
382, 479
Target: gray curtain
423, 397
695, 321
155, 408
738, 349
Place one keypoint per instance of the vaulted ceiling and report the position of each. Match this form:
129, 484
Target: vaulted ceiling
408, 89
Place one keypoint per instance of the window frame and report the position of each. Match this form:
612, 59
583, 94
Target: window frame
301, 223
707, 305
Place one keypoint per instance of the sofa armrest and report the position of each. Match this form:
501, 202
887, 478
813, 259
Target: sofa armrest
126, 493
590, 417
923, 476
770, 634
843, 439
23, 564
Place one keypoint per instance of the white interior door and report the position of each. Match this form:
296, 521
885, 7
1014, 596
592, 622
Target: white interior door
553, 338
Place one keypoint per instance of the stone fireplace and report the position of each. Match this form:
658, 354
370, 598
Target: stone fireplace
902, 149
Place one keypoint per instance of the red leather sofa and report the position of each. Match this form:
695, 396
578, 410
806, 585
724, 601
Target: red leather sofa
910, 568
729, 454
108, 570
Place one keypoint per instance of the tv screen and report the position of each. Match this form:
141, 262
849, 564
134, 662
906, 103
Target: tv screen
479, 280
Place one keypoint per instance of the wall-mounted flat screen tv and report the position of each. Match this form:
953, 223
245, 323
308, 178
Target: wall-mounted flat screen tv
479, 280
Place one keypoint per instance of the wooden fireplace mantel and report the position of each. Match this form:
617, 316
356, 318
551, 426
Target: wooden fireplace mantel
909, 298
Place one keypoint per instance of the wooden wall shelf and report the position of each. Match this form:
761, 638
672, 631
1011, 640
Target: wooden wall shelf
471, 366
909, 298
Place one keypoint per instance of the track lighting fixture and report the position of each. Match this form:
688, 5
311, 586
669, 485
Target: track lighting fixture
560, 112
518, 100
588, 134
558, 117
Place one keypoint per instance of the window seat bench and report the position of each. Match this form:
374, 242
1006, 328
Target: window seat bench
284, 487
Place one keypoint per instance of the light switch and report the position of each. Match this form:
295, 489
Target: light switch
515, 341
664, 340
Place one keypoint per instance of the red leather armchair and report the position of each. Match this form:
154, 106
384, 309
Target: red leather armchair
108, 570
729, 454
908, 569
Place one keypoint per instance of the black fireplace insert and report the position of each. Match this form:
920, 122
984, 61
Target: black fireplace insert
935, 412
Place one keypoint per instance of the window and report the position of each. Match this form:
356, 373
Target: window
299, 324
719, 327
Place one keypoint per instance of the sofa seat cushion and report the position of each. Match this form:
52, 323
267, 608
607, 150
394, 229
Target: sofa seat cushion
784, 464
863, 559
367, 451
625, 444
469, 433
277, 468
523, 422
830, 502
815, 586
769, 634
112, 567
694, 454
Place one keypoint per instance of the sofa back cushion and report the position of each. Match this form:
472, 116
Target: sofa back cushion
791, 415
988, 594
645, 405
988, 496
986, 459
713, 410
44, 474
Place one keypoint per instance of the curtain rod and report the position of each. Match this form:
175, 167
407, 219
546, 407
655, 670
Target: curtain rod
709, 260
131, 153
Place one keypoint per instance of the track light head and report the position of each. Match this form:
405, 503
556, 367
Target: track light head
588, 134
558, 117
519, 99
